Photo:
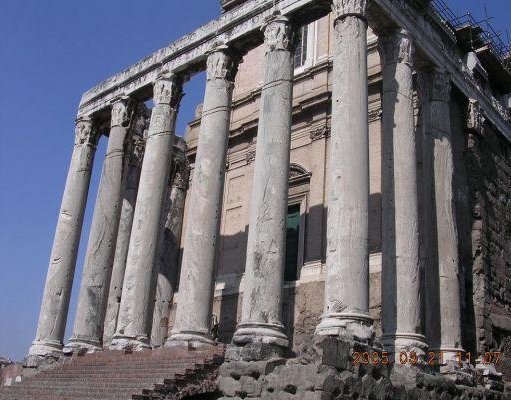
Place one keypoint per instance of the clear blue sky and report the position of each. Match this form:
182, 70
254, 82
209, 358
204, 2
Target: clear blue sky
51, 51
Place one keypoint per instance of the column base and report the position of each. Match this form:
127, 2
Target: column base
353, 326
133, 343
43, 352
272, 334
397, 343
81, 345
189, 339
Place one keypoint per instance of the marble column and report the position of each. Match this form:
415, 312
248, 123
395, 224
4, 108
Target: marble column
59, 280
401, 271
133, 325
196, 284
130, 189
346, 309
261, 318
97, 270
167, 261
442, 269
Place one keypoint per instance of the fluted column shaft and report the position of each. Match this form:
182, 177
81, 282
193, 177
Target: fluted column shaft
168, 249
346, 310
202, 233
401, 275
443, 297
57, 290
131, 182
261, 318
133, 326
97, 270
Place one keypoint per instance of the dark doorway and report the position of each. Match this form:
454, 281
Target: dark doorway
292, 242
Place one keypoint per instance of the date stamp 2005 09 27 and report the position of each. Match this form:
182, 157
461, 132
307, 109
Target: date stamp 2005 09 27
412, 358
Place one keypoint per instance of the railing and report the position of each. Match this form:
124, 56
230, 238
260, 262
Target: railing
485, 35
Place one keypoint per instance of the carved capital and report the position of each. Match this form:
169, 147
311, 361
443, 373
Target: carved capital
345, 8
278, 34
138, 149
168, 89
475, 116
122, 109
396, 46
141, 119
180, 173
221, 64
434, 85
86, 132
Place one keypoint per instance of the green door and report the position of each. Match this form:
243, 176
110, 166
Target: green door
292, 237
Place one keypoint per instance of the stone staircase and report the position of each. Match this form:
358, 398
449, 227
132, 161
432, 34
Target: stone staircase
170, 373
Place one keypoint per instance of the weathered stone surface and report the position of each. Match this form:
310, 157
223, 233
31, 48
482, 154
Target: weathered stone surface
346, 310
135, 317
193, 317
57, 289
167, 258
401, 271
131, 181
442, 269
97, 270
266, 243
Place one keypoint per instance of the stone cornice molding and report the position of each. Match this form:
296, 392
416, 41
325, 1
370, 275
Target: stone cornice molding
436, 45
346, 8
396, 46
278, 34
86, 133
168, 89
221, 64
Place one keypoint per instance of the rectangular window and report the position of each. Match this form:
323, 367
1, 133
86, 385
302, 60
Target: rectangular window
301, 46
292, 243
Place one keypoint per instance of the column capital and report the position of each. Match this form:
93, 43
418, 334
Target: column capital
435, 84
396, 46
168, 89
122, 108
345, 8
221, 63
180, 173
86, 131
278, 34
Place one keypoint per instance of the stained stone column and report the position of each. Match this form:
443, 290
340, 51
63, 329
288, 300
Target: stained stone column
346, 310
443, 297
196, 282
401, 275
261, 319
97, 270
133, 326
168, 250
59, 280
130, 188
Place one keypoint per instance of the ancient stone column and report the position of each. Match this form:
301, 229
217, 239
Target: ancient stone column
442, 269
346, 311
202, 232
130, 188
97, 270
401, 274
261, 320
167, 260
59, 280
133, 325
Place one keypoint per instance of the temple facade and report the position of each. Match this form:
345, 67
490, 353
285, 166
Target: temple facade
347, 175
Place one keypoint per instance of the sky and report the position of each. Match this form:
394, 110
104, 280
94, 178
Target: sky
52, 51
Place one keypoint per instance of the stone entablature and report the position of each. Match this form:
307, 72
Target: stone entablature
435, 43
